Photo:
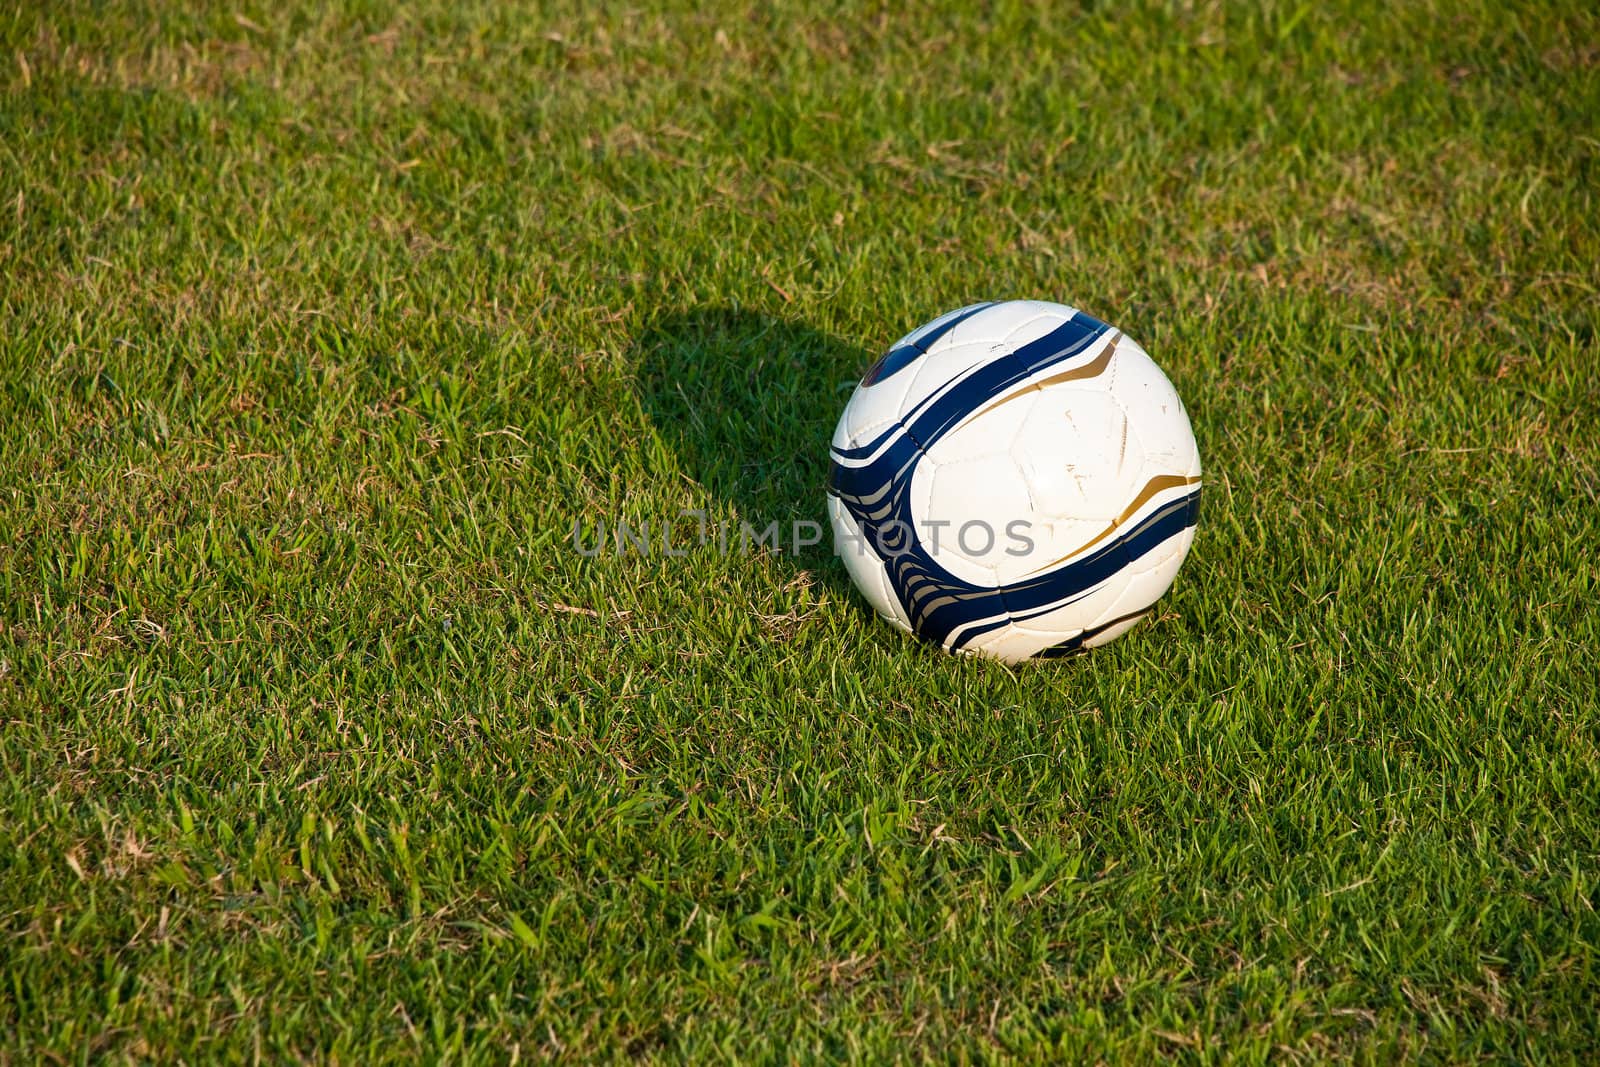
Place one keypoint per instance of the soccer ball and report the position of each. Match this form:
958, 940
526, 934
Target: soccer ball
1014, 479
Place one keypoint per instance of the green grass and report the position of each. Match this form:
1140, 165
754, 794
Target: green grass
320, 324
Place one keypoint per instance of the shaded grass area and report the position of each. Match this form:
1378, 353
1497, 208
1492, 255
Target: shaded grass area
320, 326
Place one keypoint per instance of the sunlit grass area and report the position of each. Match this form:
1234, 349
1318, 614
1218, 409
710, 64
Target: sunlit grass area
322, 324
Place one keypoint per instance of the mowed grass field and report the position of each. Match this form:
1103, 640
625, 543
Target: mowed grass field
321, 324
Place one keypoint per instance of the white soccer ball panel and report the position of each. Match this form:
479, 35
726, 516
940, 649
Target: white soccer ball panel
1043, 542
1073, 450
1014, 644
871, 411
1009, 324
1154, 411
954, 511
1086, 610
915, 337
968, 506
1151, 576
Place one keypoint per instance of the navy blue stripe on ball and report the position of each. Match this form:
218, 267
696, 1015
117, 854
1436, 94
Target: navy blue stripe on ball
890, 362
1077, 641
926, 341
937, 413
903, 355
936, 418
1044, 594
1026, 600
982, 383
1060, 344
861, 451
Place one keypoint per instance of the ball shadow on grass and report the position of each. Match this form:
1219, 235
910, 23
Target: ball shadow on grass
748, 403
